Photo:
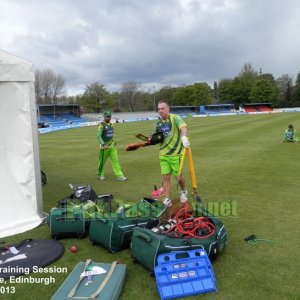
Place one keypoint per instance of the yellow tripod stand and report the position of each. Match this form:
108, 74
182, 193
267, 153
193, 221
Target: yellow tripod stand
188, 152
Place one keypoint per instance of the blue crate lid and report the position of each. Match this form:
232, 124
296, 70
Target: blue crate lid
184, 273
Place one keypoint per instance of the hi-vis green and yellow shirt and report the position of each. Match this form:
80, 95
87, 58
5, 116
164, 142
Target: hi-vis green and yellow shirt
105, 133
170, 128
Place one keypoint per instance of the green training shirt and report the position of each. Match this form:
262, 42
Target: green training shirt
290, 135
170, 127
105, 133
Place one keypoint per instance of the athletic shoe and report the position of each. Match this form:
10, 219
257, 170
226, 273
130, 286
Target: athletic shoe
121, 178
183, 196
101, 177
167, 202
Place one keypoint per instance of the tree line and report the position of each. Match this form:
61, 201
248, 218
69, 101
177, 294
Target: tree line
249, 86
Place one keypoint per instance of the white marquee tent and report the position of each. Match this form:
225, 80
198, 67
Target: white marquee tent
20, 175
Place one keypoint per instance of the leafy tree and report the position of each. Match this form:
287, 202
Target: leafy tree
115, 102
73, 99
225, 91
97, 91
165, 93
95, 97
215, 93
90, 104
150, 101
237, 90
267, 76
193, 95
264, 90
296, 92
182, 96
284, 84
241, 89
248, 72
202, 94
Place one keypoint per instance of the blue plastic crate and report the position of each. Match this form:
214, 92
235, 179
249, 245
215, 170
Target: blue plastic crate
181, 274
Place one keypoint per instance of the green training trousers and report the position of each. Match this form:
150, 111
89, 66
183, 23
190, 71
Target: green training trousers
113, 155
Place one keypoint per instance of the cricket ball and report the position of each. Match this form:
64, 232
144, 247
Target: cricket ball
73, 249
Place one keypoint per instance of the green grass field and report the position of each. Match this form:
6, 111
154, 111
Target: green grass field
237, 158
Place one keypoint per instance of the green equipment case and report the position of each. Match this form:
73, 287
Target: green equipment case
146, 245
73, 219
114, 231
67, 222
87, 282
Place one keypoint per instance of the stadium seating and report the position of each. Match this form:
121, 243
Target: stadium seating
250, 109
60, 120
257, 108
183, 112
264, 108
217, 110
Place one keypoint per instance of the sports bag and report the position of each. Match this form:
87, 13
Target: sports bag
114, 231
67, 221
146, 244
93, 284
71, 219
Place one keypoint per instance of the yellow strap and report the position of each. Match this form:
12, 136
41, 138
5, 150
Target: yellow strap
74, 289
104, 282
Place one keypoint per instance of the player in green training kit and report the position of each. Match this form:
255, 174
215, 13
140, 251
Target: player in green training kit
290, 135
174, 131
108, 148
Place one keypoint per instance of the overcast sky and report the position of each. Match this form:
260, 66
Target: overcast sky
155, 42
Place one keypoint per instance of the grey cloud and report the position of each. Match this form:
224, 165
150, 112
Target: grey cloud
158, 42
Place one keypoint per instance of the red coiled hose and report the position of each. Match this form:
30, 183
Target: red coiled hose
187, 226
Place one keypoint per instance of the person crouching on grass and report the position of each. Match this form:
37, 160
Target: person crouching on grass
290, 134
107, 146
174, 131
